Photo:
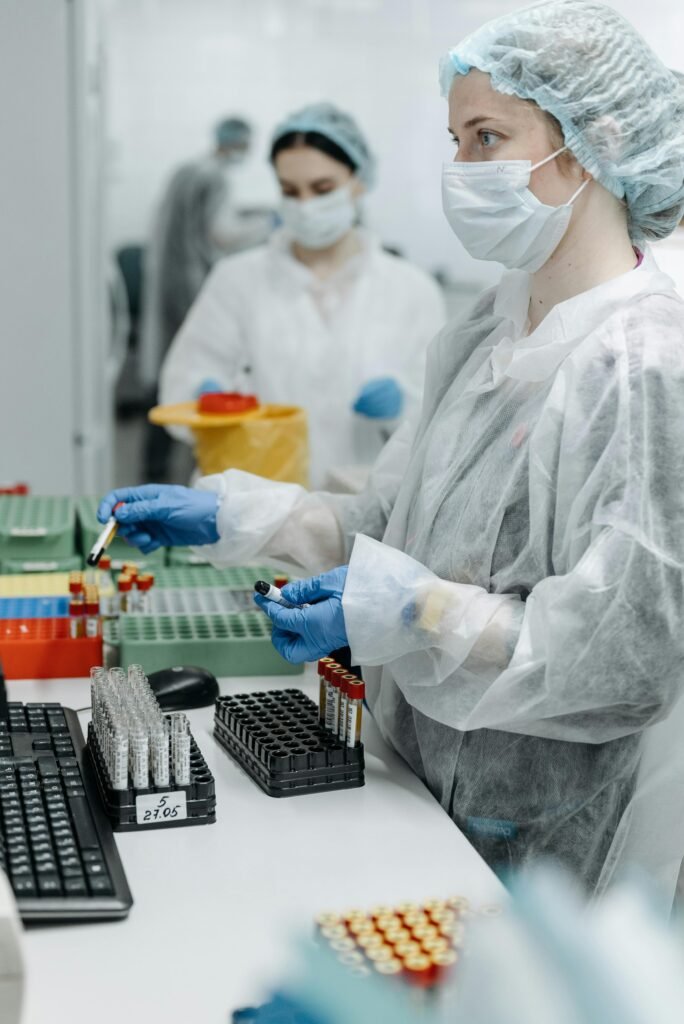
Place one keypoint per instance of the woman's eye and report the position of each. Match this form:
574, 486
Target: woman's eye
455, 142
488, 138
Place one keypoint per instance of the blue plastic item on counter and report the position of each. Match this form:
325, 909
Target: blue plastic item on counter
34, 607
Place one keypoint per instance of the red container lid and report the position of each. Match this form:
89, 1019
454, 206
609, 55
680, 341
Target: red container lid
124, 584
75, 586
105, 562
280, 581
328, 669
76, 607
92, 608
226, 402
322, 662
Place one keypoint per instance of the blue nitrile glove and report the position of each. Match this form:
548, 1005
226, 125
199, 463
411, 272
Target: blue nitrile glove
163, 515
306, 634
380, 399
207, 387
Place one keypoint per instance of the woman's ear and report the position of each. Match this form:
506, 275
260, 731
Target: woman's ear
356, 187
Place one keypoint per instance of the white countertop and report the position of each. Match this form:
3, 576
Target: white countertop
216, 906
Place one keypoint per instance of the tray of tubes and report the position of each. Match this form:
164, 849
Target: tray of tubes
149, 770
278, 739
418, 944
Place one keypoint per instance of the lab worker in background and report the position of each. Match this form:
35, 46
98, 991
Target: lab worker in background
194, 226
320, 317
511, 580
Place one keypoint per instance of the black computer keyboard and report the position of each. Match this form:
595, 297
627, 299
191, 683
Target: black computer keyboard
56, 843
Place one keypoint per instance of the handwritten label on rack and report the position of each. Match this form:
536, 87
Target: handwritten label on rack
154, 808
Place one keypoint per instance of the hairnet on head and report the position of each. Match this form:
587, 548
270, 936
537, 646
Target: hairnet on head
340, 128
621, 110
232, 131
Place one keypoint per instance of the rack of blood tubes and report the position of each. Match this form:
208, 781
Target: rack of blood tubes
340, 701
419, 943
281, 740
138, 750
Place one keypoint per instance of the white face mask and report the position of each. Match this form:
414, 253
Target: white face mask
495, 215
322, 221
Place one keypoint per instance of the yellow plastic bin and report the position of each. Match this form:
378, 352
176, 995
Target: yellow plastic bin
269, 440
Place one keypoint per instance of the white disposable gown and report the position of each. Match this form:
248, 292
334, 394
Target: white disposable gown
515, 586
265, 324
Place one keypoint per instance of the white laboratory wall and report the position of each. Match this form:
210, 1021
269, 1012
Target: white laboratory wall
176, 66
54, 394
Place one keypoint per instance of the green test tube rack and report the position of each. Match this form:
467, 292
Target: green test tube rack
36, 528
231, 644
240, 577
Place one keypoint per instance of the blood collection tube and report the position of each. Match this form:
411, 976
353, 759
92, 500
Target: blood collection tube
419, 970
76, 584
92, 613
107, 535
124, 586
322, 688
180, 748
336, 676
328, 669
130, 569
144, 584
356, 691
105, 585
139, 757
76, 610
347, 678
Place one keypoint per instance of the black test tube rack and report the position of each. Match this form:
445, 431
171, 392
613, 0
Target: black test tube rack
120, 804
277, 739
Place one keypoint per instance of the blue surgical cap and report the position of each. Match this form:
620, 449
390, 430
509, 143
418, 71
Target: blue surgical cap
337, 126
233, 131
620, 109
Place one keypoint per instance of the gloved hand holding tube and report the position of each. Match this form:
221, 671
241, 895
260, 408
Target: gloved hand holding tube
381, 398
308, 633
162, 515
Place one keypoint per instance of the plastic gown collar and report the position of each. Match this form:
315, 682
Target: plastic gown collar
537, 356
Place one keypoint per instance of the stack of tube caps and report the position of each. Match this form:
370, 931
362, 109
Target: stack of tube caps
149, 770
288, 745
417, 944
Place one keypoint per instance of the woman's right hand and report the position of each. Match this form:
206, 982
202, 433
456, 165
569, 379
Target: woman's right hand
162, 515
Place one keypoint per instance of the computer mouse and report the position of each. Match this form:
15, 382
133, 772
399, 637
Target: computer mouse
183, 687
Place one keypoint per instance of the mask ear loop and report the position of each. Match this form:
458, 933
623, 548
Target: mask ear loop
548, 159
553, 156
579, 191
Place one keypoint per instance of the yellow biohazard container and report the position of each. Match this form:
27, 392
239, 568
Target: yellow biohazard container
269, 440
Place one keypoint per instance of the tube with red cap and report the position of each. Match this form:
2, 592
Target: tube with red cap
105, 538
356, 691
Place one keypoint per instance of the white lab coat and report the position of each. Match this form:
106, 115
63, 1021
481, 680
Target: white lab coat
515, 590
263, 323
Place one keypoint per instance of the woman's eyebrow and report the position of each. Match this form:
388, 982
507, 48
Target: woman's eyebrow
479, 119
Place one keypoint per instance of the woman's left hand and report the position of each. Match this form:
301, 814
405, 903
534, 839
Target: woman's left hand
306, 634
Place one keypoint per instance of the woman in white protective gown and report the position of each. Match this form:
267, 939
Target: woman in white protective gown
511, 579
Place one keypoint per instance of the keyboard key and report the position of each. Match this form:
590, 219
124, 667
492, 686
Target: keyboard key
24, 885
74, 872
92, 870
100, 886
75, 886
49, 885
83, 824
92, 857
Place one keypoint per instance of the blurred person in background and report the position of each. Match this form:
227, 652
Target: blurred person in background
320, 317
195, 224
